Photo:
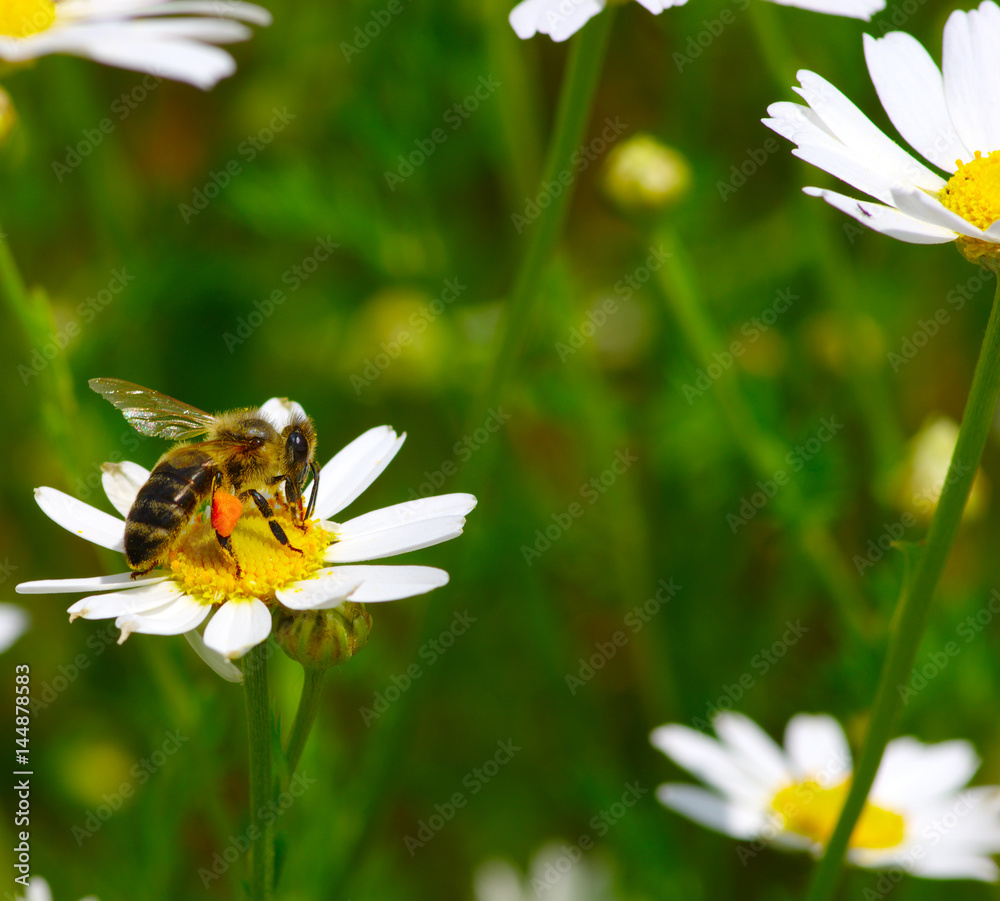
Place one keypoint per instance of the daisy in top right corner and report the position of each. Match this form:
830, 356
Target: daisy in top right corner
949, 115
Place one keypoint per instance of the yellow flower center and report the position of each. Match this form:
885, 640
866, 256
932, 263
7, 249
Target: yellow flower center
23, 18
204, 571
812, 811
974, 190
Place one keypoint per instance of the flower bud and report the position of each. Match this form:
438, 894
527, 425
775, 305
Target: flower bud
643, 175
322, 638
984, 254
925, 470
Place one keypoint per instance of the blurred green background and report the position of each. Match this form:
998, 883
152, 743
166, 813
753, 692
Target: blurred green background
343, 125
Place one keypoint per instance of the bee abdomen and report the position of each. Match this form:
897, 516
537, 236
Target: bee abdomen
161, 508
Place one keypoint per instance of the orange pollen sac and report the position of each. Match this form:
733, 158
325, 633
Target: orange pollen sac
226, 512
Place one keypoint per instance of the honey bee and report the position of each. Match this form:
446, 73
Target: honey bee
242, 454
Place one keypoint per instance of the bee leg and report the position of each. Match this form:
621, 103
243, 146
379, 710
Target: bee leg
315, 489
293, 490
268, 514
223, 540
227, 546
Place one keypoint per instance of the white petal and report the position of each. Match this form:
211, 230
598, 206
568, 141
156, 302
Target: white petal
200, 65
862, 136
754, 745
559, 19
280, 411
328, 588
779, 837
399, 540
657, 6
912, 773
937, 865
711, 762
230, 9
708, 809
66, 586
392, 583
920, 204
354, 468
80, 37
220, 664
138, 600
88, 522
911, 89
181, 615
885, 219
14, 623
977, 811
209, 30
404, 527
170, 48
971, 66
819, 147
797, 122
855, 9
93, 10
237, 627
408, 512
38, 890
122, 482
818, 749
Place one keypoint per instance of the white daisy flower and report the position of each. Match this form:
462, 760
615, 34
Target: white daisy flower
38, 890
560, 19
13, 624
202, 581
951, 119
558, 873
167, 38
919, 816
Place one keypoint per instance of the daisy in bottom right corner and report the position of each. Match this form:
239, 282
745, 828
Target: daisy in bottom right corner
921, 816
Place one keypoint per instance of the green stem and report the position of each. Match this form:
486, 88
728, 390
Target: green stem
261, 791
579, 83
33, 312
305, 716
14, 287
915, 598
519, 102
764, 452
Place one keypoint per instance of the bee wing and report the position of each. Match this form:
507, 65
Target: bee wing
151, 413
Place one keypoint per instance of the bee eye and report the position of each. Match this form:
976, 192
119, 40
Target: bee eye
256, 443
298, 446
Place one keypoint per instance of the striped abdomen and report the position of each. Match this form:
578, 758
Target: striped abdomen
177, 484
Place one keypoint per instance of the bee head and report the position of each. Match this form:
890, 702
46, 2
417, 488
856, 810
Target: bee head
300, 442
